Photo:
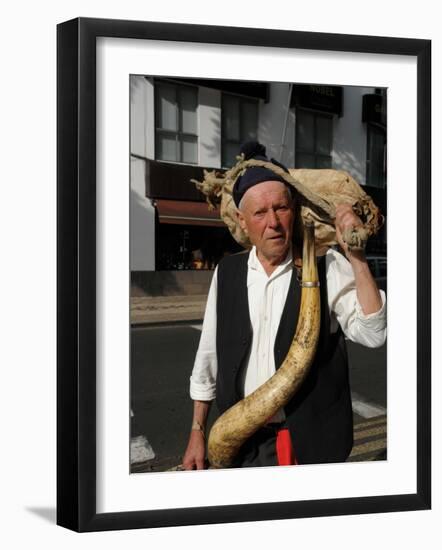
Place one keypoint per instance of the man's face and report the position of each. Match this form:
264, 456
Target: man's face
266, 215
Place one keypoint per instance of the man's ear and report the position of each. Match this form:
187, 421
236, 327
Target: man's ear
242, 221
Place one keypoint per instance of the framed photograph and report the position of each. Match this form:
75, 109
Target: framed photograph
147, 109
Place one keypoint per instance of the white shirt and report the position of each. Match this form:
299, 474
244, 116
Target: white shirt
267, 296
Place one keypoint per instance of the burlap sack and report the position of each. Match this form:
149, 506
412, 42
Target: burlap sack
317, 191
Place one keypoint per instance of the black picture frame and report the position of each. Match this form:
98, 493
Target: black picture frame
76, 273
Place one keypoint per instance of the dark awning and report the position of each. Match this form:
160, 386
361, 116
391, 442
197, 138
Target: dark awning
187, 213
172, 181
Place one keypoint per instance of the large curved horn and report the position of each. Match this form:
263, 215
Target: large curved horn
238, 423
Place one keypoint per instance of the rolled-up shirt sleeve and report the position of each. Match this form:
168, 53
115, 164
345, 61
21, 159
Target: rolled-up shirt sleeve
369, 330
203, 377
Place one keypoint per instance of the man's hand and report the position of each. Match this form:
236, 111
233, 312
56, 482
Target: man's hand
194, 456
346, 219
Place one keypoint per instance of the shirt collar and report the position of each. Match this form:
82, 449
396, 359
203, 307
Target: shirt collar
254, 263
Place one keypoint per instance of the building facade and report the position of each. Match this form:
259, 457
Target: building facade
181, 126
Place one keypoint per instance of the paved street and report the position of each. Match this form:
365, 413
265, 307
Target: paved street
162, 359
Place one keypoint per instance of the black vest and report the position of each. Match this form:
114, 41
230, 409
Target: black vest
320, 415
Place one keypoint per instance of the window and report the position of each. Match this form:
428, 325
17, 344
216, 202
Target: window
239, 123
376, 153
314, 138
176, 135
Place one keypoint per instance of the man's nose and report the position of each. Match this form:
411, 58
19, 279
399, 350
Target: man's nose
272, 220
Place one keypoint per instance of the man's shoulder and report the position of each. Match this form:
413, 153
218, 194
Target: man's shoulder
233, 261
238, 257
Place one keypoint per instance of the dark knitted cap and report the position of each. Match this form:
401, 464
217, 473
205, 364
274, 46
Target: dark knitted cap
255, 174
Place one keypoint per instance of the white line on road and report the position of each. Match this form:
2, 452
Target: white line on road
140, 450
197, 327
364, 408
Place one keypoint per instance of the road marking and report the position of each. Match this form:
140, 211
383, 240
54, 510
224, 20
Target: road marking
372, 448
376, 421
140, 450
364, 408
370, 440
370, 432
197, 327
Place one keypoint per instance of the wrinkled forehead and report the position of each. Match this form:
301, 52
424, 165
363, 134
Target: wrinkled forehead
265, 193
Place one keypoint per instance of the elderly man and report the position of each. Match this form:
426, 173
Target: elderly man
250, 321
